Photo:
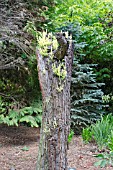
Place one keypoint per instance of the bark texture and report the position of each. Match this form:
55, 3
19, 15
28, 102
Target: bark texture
52, 153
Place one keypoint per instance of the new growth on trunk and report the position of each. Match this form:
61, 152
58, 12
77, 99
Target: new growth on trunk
54, 58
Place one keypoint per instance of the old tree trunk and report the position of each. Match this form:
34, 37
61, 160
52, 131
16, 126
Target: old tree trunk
55, 79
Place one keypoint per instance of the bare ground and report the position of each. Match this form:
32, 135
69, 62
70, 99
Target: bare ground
14, 139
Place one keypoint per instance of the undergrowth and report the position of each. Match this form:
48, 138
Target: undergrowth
30, 116
102, 133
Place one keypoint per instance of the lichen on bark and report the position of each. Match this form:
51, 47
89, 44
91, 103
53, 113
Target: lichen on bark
52, 153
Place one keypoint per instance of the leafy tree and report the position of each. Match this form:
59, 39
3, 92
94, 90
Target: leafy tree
96, 21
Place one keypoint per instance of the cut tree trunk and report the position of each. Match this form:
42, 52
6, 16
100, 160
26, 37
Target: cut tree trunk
52, 153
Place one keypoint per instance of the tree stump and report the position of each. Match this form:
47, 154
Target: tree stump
55, 80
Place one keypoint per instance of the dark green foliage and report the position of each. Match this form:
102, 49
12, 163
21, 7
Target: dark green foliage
21, 91
86, 96
27, 115
19, 86
104, 160
93, 38
96, 21
99, 49
101, 132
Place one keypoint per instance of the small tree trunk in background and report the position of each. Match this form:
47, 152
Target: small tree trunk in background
52, 153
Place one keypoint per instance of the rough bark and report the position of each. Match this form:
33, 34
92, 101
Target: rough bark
52, 153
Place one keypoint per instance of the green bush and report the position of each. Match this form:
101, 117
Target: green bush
104, 159
31, 115
101, 132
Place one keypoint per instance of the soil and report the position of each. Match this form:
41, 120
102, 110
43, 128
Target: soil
19, 149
